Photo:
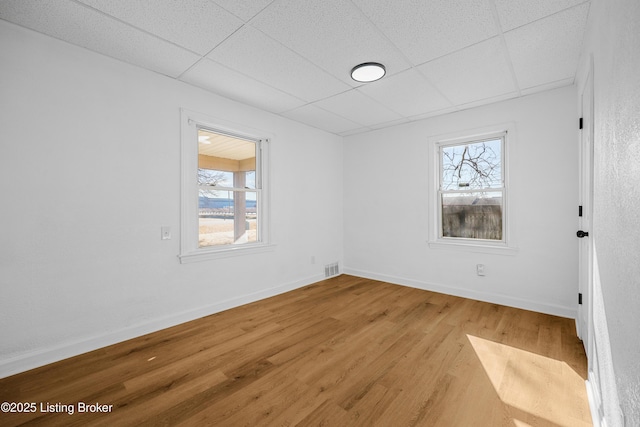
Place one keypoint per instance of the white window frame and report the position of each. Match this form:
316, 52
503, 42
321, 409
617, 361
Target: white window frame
190, 123
506, 246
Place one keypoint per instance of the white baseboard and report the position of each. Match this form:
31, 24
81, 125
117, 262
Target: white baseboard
44, 356
594, 403
556, 310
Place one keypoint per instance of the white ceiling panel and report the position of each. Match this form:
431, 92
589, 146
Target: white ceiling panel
294, 57
433, 114
515, 13
244, 9
216, 78
358, 108
486, 101
198, 25
251, 52
471, 74
548, 86
93, 30
321, 119
548, 50
354, 131
424, 30
407, 93
332, 34
391, 123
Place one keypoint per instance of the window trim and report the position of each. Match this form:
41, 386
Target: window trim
506, 246
190, 251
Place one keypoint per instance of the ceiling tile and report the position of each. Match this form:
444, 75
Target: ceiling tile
424, 30
251, 52
389, 124
244, 9
489, 100
293, 57
433, 114
359, 108
95, 31
198, 25
321, 119
407, 93
214, 77
548, 86
354, 131
515, 13
471, 74
548, 50
333, 34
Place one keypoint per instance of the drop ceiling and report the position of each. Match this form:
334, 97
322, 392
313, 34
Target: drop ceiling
294, 57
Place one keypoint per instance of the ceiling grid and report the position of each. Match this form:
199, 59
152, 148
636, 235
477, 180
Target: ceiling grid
294, 57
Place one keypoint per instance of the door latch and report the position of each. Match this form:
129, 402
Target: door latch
582, 234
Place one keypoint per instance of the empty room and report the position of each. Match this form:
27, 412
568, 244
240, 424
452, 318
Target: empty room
301, 212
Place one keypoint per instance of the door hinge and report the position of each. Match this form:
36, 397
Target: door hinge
580, 299
579, 210
580, 124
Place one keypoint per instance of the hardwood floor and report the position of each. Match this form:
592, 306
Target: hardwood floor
342, 352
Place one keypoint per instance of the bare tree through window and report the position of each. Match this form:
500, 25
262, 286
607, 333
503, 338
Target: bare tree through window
210, 178
472, 190
473, 166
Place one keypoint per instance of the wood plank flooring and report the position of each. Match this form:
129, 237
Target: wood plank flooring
346, 351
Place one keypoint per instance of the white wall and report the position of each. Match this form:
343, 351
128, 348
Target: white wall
90, 171
386, 207
613, 43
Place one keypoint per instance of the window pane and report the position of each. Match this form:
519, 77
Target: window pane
474, 166
472, 215
229, 218
250, 180
226, 161
215, 178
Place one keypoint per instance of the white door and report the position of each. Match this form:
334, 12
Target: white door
585, 245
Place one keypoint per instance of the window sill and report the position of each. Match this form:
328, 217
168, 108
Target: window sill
210, 254
497, 249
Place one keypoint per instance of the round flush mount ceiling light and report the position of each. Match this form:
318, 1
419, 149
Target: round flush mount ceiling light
368, 72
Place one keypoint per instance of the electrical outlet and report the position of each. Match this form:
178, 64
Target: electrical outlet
165, 233
480, 269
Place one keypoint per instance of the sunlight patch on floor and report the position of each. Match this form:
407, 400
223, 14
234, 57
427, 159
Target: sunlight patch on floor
538, 386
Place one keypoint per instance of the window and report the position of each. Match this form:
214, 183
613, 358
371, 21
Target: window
470, 198
224, 200
227, 190
472, 190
